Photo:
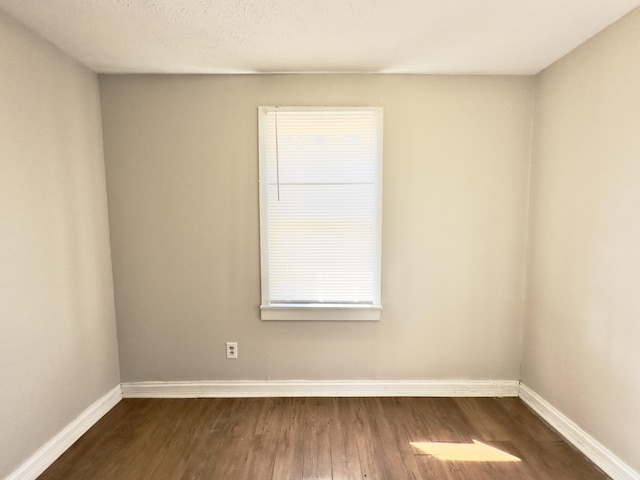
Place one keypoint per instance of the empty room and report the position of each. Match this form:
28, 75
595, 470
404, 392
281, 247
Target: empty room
364, 239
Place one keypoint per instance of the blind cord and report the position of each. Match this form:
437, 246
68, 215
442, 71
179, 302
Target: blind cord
277, 159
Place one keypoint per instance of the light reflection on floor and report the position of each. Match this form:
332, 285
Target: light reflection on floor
464, 452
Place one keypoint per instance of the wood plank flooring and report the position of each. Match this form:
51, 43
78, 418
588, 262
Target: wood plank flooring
316, 438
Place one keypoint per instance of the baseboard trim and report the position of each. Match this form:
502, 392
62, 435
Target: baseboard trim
589, 446
50, 451
303, 388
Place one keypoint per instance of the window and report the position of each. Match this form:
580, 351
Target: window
320, 212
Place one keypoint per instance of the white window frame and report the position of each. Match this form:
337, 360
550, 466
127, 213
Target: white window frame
315, 311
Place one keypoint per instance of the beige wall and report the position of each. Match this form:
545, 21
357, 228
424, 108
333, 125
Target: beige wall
182, 170
582, 336
57, 330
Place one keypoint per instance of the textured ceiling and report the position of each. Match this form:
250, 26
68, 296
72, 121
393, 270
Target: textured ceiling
278, 36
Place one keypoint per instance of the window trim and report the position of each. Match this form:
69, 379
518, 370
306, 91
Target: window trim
316, 312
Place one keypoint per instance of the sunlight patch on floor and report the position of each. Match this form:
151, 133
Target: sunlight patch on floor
464, 452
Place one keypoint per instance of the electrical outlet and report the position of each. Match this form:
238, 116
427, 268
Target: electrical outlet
232, 349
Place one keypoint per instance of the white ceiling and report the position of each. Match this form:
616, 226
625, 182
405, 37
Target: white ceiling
278, 36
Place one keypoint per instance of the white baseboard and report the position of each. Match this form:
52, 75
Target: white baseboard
304, 388
50, 451
589, 446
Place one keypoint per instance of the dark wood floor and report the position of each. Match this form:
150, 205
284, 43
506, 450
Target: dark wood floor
316, 438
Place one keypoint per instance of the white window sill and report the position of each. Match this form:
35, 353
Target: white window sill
314, 312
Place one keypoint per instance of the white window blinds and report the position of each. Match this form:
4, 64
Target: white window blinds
320, 171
